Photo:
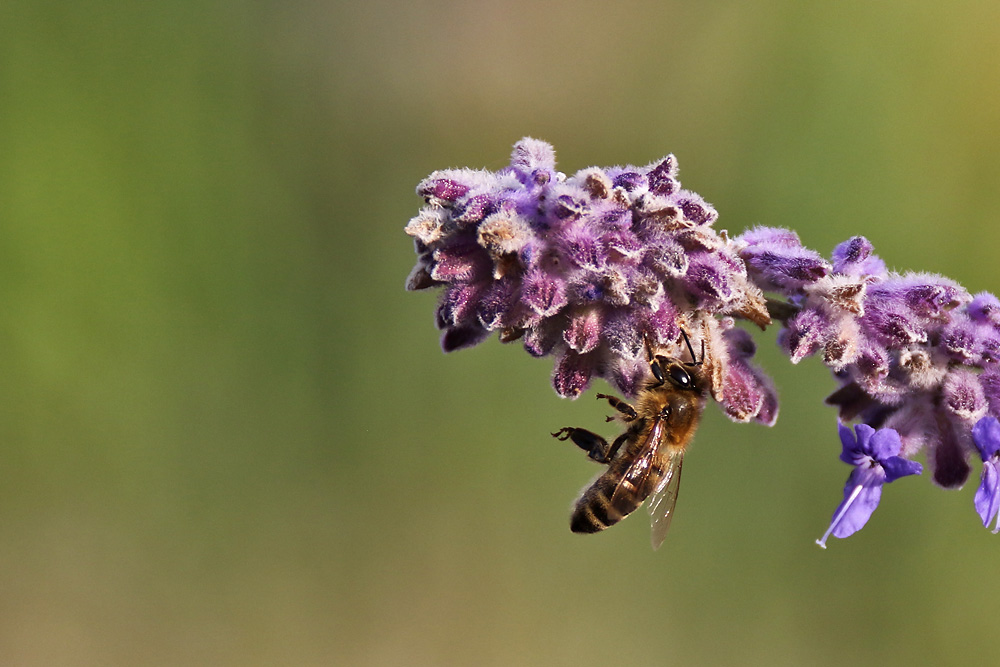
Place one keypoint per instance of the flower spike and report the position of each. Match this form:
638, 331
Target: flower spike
598, 268
585, 267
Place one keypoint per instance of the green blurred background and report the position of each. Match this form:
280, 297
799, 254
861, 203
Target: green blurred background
229, 437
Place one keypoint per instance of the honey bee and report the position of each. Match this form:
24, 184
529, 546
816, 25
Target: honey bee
645, 461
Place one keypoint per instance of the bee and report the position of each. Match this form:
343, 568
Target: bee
645, 461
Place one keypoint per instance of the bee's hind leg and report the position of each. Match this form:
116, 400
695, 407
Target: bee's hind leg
596, 447
621, 406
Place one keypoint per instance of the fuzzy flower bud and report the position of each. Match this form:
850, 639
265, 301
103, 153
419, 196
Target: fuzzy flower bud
589, 269
917, 354
600, 268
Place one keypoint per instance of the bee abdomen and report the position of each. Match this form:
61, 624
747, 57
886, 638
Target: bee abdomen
595, 511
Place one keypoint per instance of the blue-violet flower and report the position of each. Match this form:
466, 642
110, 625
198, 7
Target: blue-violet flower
986, 435
875, 457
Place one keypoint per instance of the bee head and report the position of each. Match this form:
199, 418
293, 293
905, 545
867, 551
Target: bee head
667, 368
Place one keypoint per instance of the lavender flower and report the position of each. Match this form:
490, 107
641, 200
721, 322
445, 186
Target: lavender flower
986, 435
915, 353
875, 457
586, 269
590, 268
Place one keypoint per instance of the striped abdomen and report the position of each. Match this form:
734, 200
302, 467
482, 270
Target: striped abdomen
634, 474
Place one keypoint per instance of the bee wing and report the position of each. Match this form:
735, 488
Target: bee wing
635, 481
664, 497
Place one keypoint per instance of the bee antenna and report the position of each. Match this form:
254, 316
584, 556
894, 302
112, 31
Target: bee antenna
694, 360
654, 361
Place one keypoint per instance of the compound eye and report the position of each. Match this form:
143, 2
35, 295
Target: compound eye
680, 377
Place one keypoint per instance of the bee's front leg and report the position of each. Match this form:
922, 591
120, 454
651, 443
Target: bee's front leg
596, 447
621, 406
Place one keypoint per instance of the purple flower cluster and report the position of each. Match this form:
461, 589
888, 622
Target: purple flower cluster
589, 268
916, 355
594, 267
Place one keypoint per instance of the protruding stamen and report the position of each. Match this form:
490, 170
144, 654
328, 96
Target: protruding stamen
840, 515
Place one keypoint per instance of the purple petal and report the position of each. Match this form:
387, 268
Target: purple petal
583, 333
804, 334
444, 188
772, 235
924, 294
628, 375
896, 467
696, 209
985, 307
568, 207
498, 304
862, 494
962, 395
663, 323
970, 342
855, 257
473, 209
706, 276
663, 176
666, 257
986, 435
533, 154
541, 339
544, 293
987, 498
856, 516
630, 180
623, 333
990, 380
951, 466
785, 267
849, 444
460, 263
890, 324
458, 304
584, 248
768, 413
572, 374
456, 338
882, 444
